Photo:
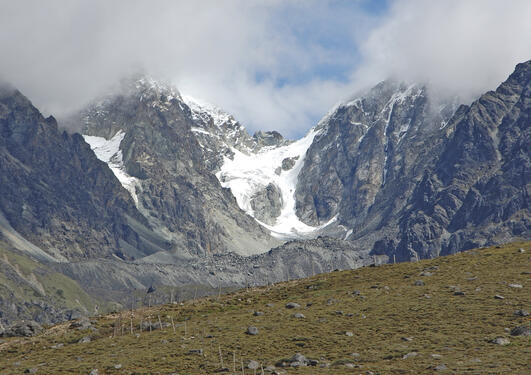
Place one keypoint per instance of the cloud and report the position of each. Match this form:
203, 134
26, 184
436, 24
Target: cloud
459, 47
273, 64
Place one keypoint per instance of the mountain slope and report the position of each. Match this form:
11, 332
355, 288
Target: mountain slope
373, 320
58, 202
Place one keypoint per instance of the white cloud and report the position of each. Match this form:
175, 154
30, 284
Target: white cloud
62, 53
459, 47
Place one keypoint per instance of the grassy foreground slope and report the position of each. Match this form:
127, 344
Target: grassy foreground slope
364, 321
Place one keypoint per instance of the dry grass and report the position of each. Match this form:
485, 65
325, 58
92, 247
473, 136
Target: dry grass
390, 308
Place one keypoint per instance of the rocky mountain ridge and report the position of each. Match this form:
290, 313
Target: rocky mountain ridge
162, 190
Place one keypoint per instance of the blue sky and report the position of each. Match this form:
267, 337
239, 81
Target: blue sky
274, 64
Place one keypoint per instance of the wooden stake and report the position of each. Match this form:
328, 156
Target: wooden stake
220, 356
160, 323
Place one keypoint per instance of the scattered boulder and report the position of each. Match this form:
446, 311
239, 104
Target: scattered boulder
32, 370
94, 372
299, 316
258, 313
196, 351
349, 334
419, 283
440, 367
292, 305
84, 340
253, 365
118, 366
521, 313
81, 324
521, 331
459, 293
26, 328
251, 330
410, 355
501, 341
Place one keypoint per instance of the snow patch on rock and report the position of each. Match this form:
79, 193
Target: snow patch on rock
247, 174
109, 152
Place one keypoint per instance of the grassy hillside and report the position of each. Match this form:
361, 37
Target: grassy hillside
366, 321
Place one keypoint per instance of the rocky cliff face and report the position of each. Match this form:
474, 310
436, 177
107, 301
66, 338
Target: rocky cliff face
168, 167
408, 178
57, 195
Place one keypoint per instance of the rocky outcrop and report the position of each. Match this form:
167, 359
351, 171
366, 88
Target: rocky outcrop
267, 204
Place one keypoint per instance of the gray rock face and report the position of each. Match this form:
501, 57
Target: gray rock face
56, 194
267, 204
407, 179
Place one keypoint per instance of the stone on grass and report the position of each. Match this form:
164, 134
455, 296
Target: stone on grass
258, 313
440, 367
498, 296
252, 330
459, 293
521, 331
84, 340
299, 316
81, 324
517, 286
349, 334
253, 365
521, 313
410, 355
419, 283
94, 372
118, 366
196, 351
32, 370
501, 341
292, 305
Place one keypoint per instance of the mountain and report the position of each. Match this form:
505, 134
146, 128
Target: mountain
57, 199
166, 192
408, 177
148, 136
